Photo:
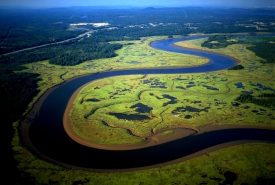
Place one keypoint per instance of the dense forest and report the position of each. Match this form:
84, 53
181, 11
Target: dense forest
265, 50
23, 28
74, 54
67, 54
16, 92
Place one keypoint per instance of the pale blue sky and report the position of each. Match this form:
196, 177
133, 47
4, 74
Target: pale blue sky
169, 3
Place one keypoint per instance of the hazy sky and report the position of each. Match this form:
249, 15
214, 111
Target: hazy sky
62, 3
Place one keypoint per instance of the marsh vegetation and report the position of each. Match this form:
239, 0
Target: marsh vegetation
174, 100
164, 100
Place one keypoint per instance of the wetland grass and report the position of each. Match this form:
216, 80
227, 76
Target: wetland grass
250, 162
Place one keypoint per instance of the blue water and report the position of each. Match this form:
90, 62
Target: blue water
239, 85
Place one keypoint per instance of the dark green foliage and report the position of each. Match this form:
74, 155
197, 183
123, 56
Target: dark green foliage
16, 92
245, 98
267, 95
237, 67
77, 53
266, 100
265, 50
136, 32
67, 54
217, 41
31, 27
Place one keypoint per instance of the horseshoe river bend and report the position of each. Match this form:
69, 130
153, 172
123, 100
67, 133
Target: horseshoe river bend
43, 131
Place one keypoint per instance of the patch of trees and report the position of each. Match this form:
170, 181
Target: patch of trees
217, 41
265, 50
265, 99
237, 67
76, 53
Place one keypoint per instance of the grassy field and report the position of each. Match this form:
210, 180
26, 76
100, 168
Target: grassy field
191, 99
146, 104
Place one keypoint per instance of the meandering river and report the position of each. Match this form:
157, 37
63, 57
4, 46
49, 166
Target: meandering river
44, 134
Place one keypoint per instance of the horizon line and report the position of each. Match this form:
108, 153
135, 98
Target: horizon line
131, 6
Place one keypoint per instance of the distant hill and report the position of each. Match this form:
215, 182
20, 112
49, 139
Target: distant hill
149, 8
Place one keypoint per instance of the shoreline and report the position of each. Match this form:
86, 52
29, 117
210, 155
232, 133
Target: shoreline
237, 61
164, 139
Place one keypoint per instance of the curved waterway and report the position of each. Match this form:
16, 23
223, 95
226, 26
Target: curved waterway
43, 131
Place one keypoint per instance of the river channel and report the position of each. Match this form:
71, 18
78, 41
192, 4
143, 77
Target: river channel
44, 134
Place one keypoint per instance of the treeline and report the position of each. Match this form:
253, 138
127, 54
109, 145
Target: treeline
217, 41
67, 54
266, 99
225, 28
136, 33
76, 53
265, 50
16, 92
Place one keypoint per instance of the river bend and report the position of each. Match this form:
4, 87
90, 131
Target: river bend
45, 135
